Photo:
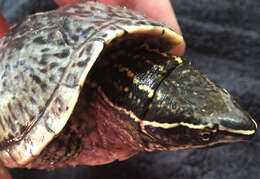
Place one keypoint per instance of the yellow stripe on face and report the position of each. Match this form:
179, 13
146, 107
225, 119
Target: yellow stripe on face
172, 125
243, 132
195, 126
145, 123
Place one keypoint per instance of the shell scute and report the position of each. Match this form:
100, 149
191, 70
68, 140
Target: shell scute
24, 87
44, 63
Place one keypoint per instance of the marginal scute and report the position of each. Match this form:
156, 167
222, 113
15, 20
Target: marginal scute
44, 65
60, 108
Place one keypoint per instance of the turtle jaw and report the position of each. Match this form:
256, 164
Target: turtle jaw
236, 126
213, 117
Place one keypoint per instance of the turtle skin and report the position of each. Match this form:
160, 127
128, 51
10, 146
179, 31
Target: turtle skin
78, 93
45, 61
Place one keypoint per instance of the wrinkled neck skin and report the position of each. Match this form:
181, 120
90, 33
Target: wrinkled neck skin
96, 134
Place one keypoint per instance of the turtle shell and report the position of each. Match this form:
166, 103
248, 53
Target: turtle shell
44, 63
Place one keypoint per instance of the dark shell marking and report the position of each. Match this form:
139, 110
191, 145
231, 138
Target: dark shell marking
44, 63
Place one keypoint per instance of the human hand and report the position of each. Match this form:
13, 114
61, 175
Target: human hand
4, 26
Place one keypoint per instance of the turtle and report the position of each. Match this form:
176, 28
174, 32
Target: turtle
89, 84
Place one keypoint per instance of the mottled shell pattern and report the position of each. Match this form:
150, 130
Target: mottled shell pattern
44, 62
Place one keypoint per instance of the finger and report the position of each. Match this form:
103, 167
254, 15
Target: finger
4, 26
65, 2
4, 174
111, 2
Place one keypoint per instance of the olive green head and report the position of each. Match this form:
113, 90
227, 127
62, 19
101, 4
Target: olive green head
170, 104
189, 111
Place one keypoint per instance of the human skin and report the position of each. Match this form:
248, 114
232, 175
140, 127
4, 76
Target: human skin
157, 10
4, 26
4, 174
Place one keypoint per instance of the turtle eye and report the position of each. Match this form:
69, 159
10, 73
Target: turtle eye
205, 136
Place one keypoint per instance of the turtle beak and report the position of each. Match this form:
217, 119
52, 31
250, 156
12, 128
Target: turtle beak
232, 122
237, 124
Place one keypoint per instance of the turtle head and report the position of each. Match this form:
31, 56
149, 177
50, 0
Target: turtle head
170, 104
189, 111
